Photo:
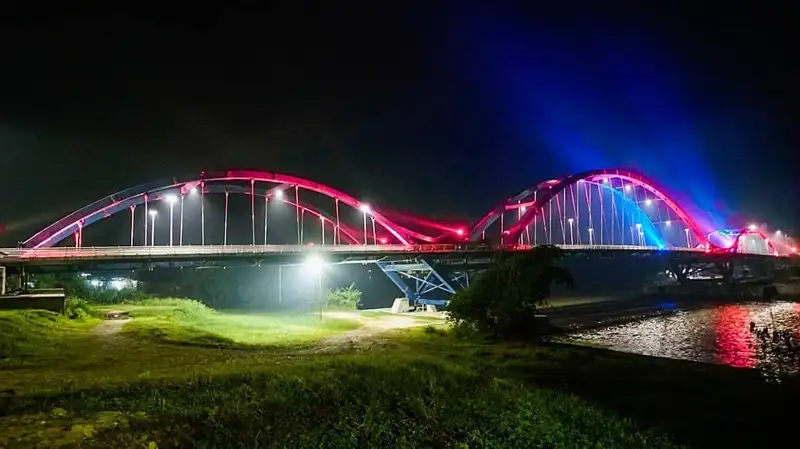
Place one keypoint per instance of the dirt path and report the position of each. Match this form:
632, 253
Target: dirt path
366, 336
110, 328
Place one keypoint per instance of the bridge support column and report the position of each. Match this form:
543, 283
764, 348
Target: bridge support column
417, 279
2, 281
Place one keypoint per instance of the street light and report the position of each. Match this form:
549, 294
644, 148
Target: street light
365, 209
571, 235
668, 223
647, 202
322, 225
193, 190
591, 236
639, 230
688, 238
752, 227
153, 214
315, 265
171, 199
279, 194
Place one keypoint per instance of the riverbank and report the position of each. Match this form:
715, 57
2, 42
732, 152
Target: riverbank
591, 313
409, 387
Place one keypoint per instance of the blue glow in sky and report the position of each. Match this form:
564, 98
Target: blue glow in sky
626, 206
581, 96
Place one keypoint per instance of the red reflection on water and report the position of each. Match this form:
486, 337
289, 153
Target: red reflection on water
734, 342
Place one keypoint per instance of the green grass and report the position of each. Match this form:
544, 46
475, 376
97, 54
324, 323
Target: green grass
409, 388
186, 321
35, 334
406, 395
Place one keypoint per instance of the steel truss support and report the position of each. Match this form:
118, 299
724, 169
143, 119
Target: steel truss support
417, 279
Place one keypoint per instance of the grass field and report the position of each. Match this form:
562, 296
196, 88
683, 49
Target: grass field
183, 321
411, 387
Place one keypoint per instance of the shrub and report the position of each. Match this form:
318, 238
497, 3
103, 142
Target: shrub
344, 298
77, 308
503, 301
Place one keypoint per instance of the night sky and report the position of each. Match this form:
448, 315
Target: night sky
438, 110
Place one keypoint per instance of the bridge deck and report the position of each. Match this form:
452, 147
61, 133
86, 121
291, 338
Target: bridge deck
335, 253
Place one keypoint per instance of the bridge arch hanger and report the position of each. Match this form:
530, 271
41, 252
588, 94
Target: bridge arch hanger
530, 202
352, 235
129, 199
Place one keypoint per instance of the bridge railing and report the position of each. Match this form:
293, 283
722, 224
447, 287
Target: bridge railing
66, 253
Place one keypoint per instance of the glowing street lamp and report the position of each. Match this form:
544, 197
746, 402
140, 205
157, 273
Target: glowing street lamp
648, 202
153, 214
279, 194
171, 199
571, 235
193, 190
591, 236
688, 238
668, 223
752, 227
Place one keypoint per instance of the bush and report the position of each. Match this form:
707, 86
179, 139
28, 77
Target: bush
77, 308
503, 301
344, 298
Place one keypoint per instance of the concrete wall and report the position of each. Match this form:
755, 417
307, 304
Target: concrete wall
53, 304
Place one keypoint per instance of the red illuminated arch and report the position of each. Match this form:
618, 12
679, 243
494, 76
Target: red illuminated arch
537, 196
734, 246
63, 228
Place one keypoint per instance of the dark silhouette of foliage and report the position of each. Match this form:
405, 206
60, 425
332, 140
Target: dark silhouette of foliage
503, 301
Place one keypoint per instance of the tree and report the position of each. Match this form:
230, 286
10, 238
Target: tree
503, 301
344, 298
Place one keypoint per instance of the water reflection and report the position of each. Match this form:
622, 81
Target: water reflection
717, 335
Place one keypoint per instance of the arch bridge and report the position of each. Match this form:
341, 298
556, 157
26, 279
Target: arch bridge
609, 208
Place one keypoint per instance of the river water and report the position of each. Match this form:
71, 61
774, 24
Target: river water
720, 334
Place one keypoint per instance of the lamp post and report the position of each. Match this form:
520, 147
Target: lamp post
171, 199
153, 214
365, 210
180, 237
639, 231
591, 237
322, 225
225, 229
571, 235
688, 238
315, 266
